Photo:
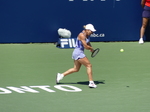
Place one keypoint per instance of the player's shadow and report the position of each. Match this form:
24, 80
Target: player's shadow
85, 82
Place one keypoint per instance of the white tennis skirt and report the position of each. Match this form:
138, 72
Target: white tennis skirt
78, 54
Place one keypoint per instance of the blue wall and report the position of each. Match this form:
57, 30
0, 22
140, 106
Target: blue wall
24, 21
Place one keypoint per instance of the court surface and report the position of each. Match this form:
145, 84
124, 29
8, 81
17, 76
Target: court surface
28, 72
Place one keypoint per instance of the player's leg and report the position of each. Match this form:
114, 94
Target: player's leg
76, 68
144, 24
88, 66
142, 31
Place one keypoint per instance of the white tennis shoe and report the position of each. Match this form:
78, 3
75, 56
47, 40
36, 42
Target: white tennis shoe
92, 85
59, 77
141, 41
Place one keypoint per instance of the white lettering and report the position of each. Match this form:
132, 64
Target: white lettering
73, 43
97, 35
102, 35
43, 88
73, 88
64, 42
67, 43
22, 89
5, 91
70, 44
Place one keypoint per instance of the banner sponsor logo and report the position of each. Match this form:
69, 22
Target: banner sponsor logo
97, 35
67, 42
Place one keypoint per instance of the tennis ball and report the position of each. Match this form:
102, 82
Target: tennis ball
121, 50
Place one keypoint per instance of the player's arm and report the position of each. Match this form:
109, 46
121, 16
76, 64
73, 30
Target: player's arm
90, 45
143, 2
82, 39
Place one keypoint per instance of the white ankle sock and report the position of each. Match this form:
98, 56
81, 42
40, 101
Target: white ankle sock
62, 75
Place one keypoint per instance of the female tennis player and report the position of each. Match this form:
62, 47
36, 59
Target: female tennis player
146, 16
79, 57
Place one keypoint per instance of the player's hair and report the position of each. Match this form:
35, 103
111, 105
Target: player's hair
84, 27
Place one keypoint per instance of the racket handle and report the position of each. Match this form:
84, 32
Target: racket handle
91, 50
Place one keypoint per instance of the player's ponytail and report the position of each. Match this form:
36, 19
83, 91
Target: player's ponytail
84, 27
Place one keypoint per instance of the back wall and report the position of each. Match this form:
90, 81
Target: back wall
23, 21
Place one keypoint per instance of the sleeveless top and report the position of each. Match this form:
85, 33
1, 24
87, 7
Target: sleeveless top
79, 44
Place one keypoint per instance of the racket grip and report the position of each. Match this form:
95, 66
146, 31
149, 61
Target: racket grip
91, 50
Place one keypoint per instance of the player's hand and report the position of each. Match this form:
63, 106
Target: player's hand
91, 50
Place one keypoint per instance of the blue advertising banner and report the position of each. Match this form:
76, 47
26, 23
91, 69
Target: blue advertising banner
24, 21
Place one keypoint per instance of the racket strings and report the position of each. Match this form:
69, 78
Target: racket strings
95, 52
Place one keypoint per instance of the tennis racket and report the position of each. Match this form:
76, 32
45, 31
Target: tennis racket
94, 53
